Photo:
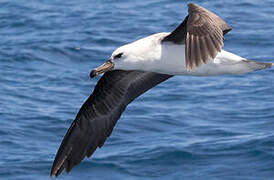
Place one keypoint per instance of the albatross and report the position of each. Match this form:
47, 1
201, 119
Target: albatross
193, 48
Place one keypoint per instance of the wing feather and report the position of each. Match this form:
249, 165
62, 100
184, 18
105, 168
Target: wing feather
202, 33
99, 114
198, 52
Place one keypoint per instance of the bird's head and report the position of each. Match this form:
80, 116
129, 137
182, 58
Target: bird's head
117, 58
132, 56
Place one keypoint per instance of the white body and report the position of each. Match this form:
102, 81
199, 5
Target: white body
150, 54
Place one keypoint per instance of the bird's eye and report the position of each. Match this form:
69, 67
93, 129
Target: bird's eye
118, 55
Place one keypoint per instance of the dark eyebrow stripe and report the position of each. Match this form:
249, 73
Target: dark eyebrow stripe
118, 55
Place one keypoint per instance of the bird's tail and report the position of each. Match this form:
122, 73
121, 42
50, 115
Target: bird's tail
256, 66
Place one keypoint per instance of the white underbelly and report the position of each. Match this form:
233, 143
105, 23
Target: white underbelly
224, 63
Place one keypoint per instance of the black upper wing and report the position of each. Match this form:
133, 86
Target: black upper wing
202, 33
99, 114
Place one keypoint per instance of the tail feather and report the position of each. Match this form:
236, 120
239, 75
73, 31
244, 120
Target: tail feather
265, 65
255, 66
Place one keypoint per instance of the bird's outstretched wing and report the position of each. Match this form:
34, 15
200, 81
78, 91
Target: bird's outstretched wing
99, 114
202, 33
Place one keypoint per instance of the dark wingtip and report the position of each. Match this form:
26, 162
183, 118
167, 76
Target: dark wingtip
59, 163
191, 4
54, 172
57, 170
52, 175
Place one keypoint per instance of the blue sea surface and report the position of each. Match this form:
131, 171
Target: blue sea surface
186, 128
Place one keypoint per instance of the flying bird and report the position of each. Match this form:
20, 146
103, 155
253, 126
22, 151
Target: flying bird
193, 48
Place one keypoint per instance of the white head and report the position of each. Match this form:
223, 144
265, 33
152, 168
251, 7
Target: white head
132, 56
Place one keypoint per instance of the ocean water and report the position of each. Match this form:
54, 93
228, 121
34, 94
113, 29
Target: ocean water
185, 128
